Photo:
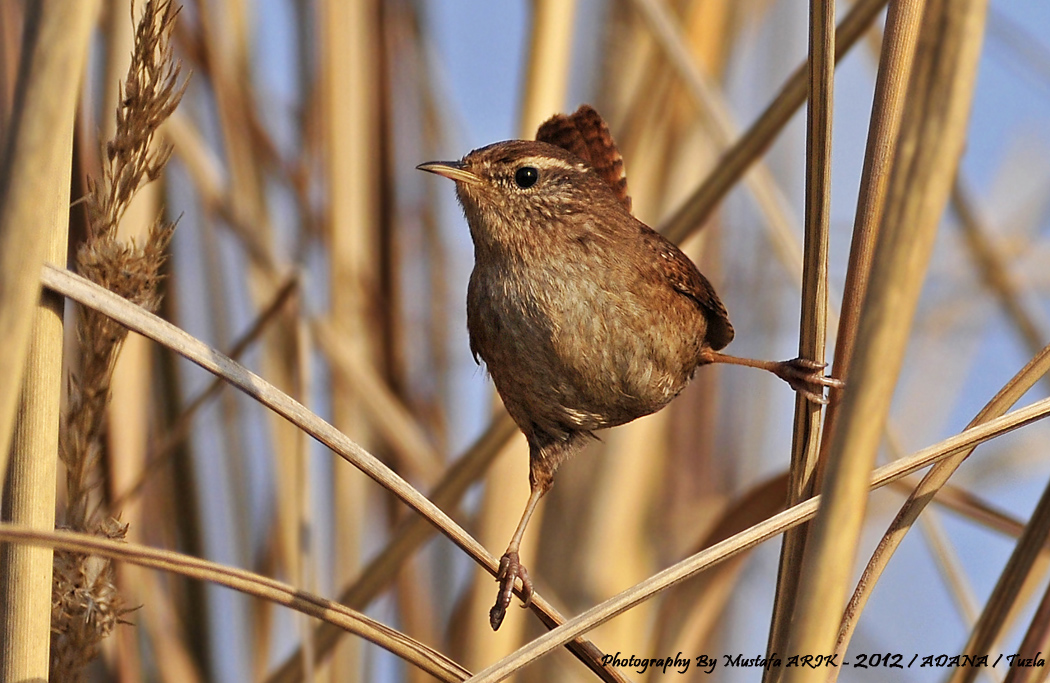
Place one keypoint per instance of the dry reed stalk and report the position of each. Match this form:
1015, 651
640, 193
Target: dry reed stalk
247, 582
221, 312
643, 139
805, 442
711, 28
670, 37
54, 46
996, 276
246, 208
29, 493
417, 611
764, 501
968, 505
177, 495
627, 72
931, 141
236, 447
34, 211
145, 323
86, 604
750, 537
439, 271
813, 325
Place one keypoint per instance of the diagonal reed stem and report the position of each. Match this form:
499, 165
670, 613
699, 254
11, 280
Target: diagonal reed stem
754, 535
212, 360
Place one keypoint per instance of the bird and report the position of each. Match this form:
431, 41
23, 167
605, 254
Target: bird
585, 317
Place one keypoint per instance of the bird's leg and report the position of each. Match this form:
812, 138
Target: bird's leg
805, 376
510, 566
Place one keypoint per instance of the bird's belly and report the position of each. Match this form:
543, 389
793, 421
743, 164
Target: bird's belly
622, 363
580, 357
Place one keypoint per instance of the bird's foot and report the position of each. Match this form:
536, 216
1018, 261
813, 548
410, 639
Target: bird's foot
807, 378
510, 568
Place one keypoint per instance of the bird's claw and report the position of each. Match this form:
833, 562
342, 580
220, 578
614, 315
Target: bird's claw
510, 568
807, 378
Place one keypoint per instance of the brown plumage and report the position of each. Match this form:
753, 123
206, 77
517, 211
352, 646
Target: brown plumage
584, 316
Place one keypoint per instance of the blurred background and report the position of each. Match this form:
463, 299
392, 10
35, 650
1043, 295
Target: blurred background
304, 228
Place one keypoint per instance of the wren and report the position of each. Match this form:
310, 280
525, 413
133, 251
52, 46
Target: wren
585, 317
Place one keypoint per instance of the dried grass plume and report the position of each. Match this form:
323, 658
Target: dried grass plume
86, 606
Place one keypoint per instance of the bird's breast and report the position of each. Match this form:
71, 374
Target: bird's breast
593, 345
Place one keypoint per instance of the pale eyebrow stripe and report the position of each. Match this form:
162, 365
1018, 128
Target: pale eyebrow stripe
548, 162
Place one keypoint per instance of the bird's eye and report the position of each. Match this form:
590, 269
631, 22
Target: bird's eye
526, 177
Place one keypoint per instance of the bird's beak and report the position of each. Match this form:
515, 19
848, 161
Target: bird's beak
449, 169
